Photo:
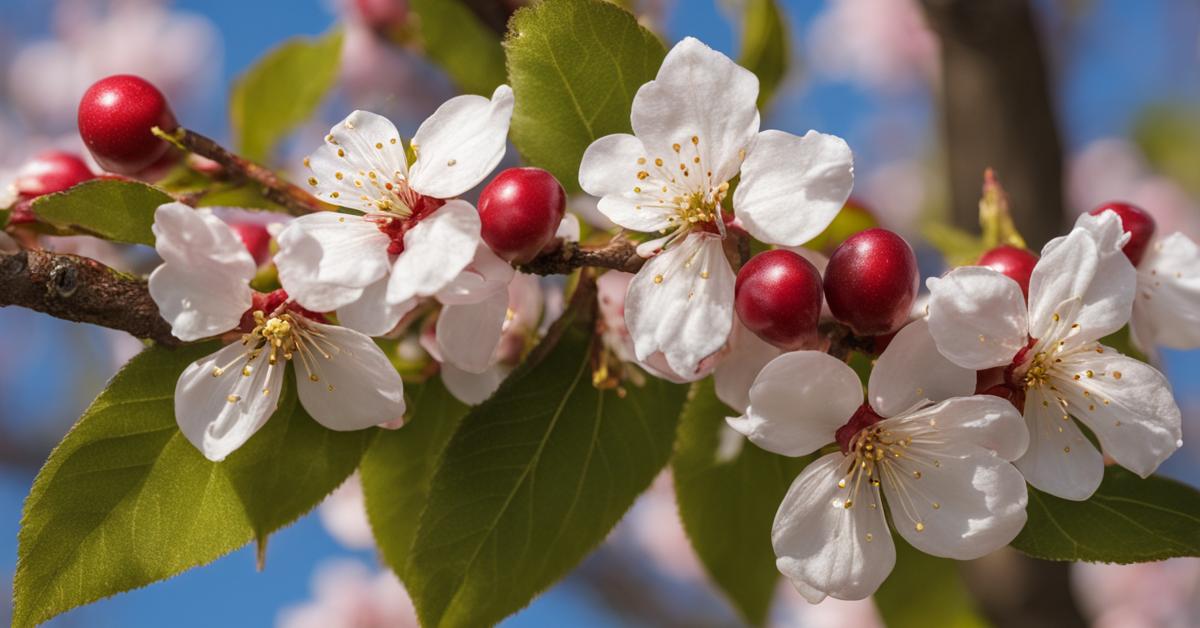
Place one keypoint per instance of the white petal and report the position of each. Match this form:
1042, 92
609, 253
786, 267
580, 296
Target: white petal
360, 144
911, 370
325, 260
699, 93
372, 314
1166, 311
1060, 459
798, 402
486, 275
568, 228
825, 548
1083, 281
356, 387
219, 413
1134, 416
736, 371
197, 239
473, 388
977, 317
616, 168
681, 303
525, 300
198, 303
461, 143
435, 252
978, 420
793, 187
467, 335
968, 505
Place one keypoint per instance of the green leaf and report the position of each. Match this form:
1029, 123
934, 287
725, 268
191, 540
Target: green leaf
574, 66
728, 501
458, 42
126, 500
121, 211
281, 91
397, 471
923, 591
1128, 520
765, 47
535, 478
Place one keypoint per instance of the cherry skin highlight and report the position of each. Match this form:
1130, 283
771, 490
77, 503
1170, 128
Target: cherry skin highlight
871, 282
1016, 263
115, 118
520, 211
778, 297
1137, 222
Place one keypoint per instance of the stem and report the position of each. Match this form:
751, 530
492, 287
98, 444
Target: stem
83, 290
291, 197
619, 254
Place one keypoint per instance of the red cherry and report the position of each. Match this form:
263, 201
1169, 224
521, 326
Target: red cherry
1014, 262
115, 118
520, 210
871, 282
50, 172
778, 297
1137, 222
256, 239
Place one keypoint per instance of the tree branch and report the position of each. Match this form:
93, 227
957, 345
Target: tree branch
83, 290
619, 254
293, 198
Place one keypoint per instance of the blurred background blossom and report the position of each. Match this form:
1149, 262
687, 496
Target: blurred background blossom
1128, 110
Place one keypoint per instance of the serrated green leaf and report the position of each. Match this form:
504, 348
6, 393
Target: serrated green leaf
766, 48
727, 501
459, 43
125, 500
121, 211
282, 90
535, 478
574, 66
397, 470
1128, 520
923, 591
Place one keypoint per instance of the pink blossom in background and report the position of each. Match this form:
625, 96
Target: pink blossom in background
344, 515
881, 44
348, 594
1114, 169
1153, 595
793, 611
653, 526
897, 193
96, 39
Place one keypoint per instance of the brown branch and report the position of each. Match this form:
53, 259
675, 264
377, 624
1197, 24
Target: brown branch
83, 290
619, 254
292, 197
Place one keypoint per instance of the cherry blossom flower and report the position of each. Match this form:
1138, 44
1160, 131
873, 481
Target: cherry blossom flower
671, 178
881, 44
348, 594
1081, 290
1166, 309
1131, 596
405, 240
343, 379
944, 467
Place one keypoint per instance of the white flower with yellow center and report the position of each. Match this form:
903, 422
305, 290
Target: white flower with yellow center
1081, 290
407, 239
203, 289
695, 129
944, 468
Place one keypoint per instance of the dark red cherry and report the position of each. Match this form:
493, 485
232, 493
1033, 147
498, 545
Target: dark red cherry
778, 297
50, 172
871, 282
1014, 262
520, 210
115, 118
1138, 223
256, 239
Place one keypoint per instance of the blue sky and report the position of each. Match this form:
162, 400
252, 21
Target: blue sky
1105, 81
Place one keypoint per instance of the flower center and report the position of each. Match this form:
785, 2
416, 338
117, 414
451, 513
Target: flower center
871, 450
396, 224
863, 418
683, 184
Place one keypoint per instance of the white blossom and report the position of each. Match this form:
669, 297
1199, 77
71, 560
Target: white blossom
202, 288
1081, 290
671, 176
944, 467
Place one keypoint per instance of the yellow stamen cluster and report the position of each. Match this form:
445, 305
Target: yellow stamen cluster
876, 453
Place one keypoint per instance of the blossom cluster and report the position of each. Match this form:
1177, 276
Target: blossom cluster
985, 388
